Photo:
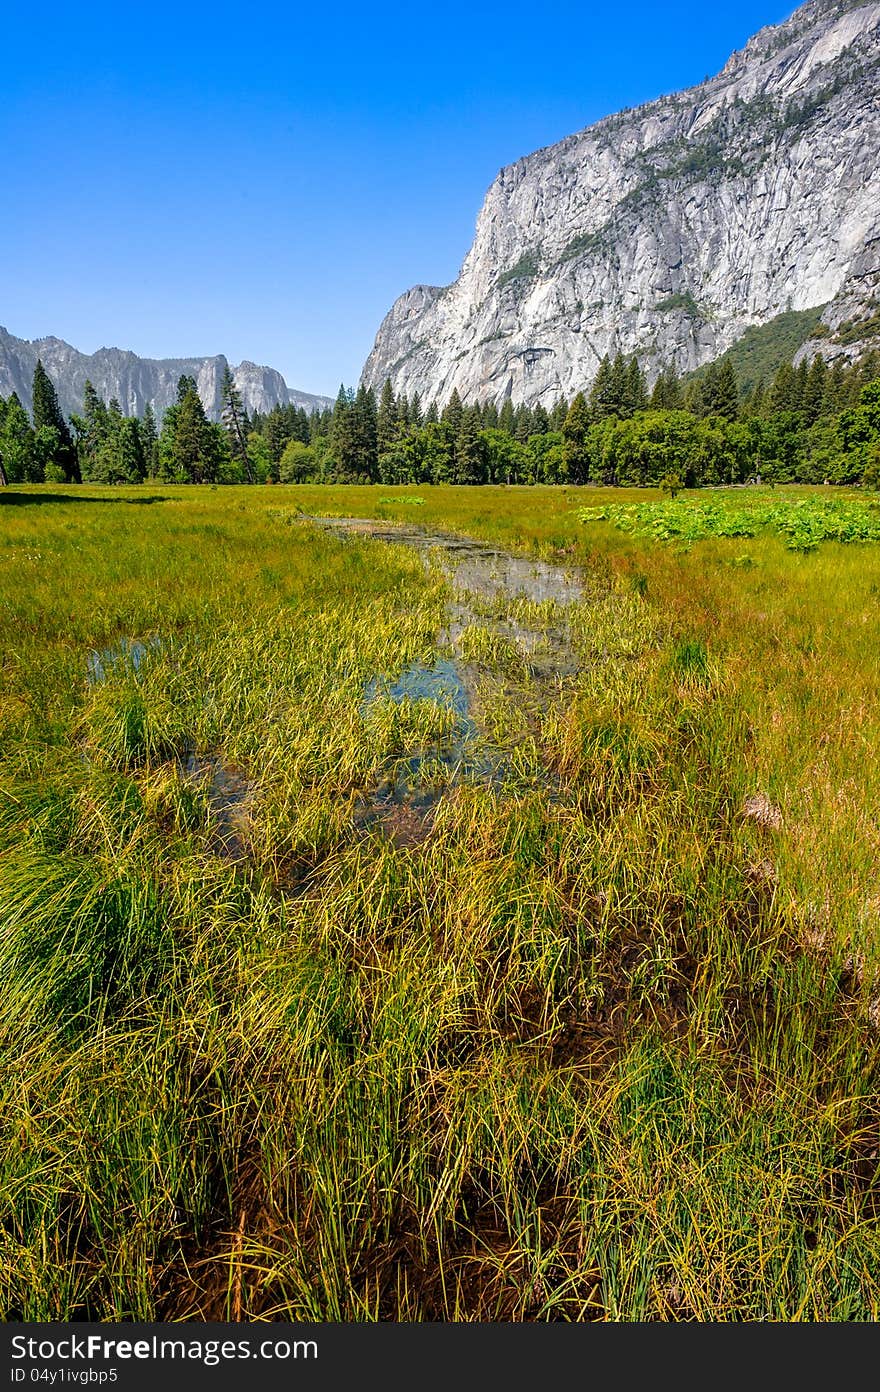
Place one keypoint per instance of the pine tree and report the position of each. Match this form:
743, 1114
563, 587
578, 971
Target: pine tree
48, 417
574, 441
507, 417
342, 435
132, 466
558, 414
758, 398
432, 415
386, 418
92, 429
720, 391
523, 423
235, 423
840, 391
415, 412
667, 395
150, 442
364, 434
601, 404
783, 393
869, 368
618, 388
636, 388
728, 391
20, 459
94, 415
540, 421
114, 418
814, 394
165, 470
707, 390
452, 412
801, 378
470, 464
194, 448
276, 433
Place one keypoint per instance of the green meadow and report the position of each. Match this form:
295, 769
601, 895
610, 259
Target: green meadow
305, 1017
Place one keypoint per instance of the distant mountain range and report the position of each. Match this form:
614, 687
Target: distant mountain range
671, 230
135, 381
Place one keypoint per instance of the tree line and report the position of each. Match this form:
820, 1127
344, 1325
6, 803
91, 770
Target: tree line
810, 424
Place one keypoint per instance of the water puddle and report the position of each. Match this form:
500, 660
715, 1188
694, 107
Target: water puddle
227, 793
127, 655
485, 571
508, 614
443, 683
403, 803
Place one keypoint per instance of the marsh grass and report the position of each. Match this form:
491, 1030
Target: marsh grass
597, 1046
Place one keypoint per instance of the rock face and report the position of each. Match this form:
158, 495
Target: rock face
136, 381
670, 229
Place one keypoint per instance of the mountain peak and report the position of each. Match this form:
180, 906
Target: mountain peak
137, 382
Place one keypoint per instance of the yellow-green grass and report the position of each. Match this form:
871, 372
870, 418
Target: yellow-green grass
596, 1045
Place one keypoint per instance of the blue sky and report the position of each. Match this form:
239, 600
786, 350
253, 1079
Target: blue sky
263, 181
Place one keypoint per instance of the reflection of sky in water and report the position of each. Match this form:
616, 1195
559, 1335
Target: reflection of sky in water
459, 755
486, 574
491, 573
442, 683
473, 565
127, 653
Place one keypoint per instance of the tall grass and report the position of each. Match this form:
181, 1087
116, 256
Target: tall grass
599, 1044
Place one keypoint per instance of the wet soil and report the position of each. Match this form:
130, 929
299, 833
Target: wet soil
228, 793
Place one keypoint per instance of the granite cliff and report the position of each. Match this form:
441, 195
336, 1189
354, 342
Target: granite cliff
670, 229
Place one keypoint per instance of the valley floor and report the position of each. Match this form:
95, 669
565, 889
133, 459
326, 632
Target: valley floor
393, 930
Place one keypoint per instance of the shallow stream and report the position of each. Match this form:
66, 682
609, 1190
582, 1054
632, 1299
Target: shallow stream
499, 599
